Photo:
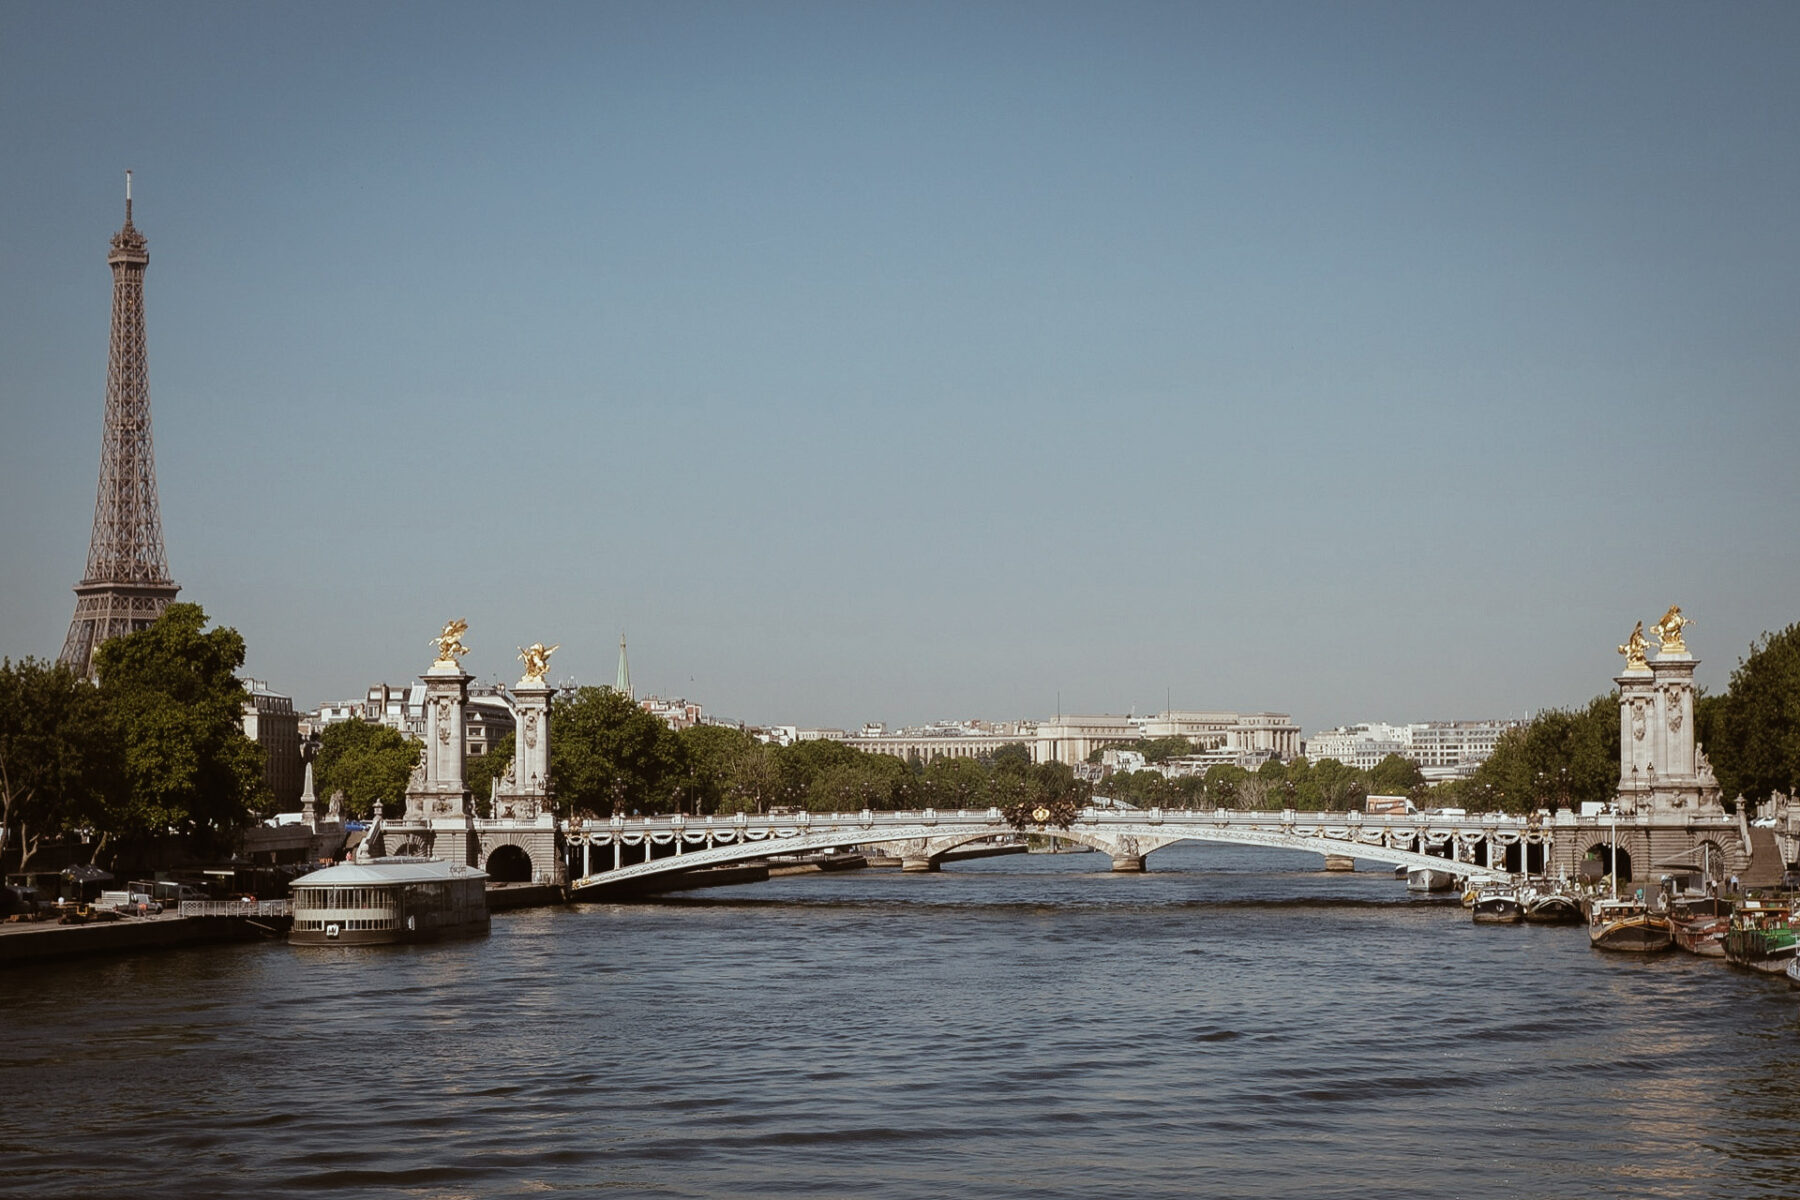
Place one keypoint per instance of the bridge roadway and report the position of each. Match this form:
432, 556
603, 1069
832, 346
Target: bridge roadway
921, 838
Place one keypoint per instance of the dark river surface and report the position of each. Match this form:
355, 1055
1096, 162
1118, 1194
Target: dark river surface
1233, 1023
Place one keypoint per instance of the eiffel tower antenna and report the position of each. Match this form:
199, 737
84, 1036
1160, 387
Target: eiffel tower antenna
127, 584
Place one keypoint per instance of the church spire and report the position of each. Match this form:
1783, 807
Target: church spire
622, 684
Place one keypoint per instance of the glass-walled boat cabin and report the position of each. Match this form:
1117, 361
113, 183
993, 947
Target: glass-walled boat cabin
388, 900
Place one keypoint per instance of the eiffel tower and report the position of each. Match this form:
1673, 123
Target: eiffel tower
127, 583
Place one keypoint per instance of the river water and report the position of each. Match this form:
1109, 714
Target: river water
1233, 1023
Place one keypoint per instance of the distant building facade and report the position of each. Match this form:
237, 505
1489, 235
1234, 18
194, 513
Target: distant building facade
1457, 745
677, 714
1071, 740
1360, 746
1442, 749
487, 714
788, 735
270, 721
941, 739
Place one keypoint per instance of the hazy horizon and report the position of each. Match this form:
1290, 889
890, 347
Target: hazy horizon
913, 362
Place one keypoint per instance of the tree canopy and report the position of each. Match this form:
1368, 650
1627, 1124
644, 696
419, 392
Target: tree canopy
366, 762
1752, 732
481, 770
608, 755
58, 762
1158, 750
176, 708
1560, 758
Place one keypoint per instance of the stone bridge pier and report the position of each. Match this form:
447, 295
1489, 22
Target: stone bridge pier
1126, 850
925, 854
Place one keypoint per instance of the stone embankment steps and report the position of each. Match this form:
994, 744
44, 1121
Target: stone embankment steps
1766, 867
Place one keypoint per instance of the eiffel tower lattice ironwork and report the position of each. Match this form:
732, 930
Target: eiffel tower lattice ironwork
127, 583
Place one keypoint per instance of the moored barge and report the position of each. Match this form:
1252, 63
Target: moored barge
1626, 925
388, 900
1699, 924
1762, 936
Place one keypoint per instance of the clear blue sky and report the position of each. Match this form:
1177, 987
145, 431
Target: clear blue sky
894, 362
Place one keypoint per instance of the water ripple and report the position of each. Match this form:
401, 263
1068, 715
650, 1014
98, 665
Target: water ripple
1021, 1027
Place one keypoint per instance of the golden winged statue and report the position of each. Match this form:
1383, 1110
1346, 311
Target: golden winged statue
536, 658
1633, 650
449, 643
1668, 630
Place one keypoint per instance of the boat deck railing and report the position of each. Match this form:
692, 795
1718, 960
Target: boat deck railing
236, 908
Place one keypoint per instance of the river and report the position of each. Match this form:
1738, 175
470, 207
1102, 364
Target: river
1234, 1023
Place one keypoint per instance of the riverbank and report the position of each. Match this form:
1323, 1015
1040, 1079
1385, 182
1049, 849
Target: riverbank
44, 941
505, 897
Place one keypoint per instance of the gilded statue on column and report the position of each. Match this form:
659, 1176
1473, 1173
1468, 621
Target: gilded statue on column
536, 658
1633, 650
1668, 631
449, 643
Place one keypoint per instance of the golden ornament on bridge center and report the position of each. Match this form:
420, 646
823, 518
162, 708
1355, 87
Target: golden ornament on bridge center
1040, 814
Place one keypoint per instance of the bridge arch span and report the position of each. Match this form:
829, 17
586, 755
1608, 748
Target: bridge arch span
508, 863
921, 838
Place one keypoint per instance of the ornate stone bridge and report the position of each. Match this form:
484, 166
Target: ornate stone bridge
609, 853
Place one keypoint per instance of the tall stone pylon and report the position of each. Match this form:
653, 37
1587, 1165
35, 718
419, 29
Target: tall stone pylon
127, 584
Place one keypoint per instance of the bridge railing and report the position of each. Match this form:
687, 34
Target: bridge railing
1092, 816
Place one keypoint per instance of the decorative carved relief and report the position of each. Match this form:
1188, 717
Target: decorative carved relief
531, 724
1637, 720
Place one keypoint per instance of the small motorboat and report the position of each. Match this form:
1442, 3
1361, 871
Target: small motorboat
1552, 906
1497, 904
1423, 879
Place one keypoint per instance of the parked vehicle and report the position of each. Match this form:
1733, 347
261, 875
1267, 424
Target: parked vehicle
21, 903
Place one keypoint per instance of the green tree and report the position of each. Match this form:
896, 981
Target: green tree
1335, 787
57, 760
1162, 749
1754, 734
1219, 786
366, 762
1140, 789
872, 781
176, 707
754, 782
1560, 757
711, 754
1395, 776
1013, 756
608, 755
804, 762
952, 783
